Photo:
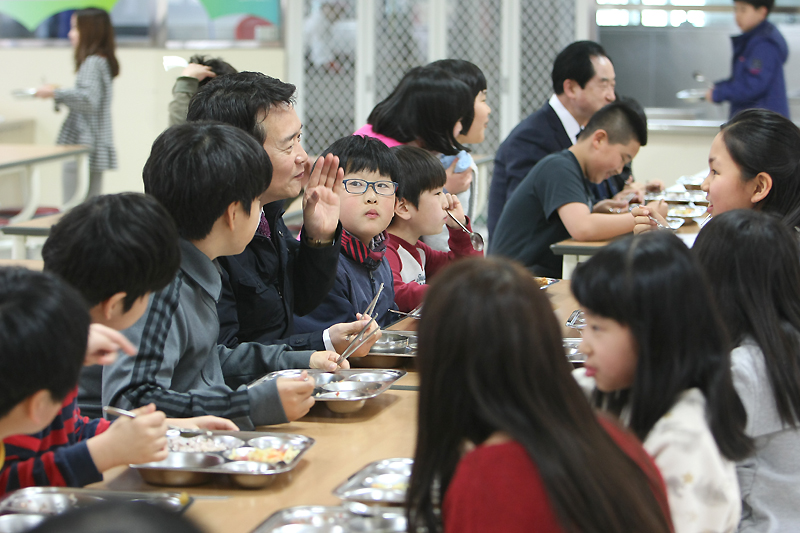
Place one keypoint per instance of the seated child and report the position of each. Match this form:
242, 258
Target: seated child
210, 178
554, 201
751, 262
497, 406
367, 204
115, 250
657, 355
44, 326
421, 209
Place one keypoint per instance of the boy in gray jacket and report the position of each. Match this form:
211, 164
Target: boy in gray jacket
210, 177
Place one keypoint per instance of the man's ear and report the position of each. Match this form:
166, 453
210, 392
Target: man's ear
401, 209
113, 306
763, 183
570, 88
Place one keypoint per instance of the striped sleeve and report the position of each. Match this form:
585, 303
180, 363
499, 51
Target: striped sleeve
90, 85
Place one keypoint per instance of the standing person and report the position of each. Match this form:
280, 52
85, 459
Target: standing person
583, 82
89, 122
759, 53
496, 407
754, 275
657, 355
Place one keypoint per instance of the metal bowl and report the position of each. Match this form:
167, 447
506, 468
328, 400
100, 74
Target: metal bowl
324, 378
250, 474
343, 405
360, 386
52, 503
19, 523
390, 343
373, 377
172, 470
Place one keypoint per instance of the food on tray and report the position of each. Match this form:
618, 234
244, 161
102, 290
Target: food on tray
195, 444
400, 486
270, 456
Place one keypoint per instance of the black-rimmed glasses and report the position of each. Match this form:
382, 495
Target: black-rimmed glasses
381, 188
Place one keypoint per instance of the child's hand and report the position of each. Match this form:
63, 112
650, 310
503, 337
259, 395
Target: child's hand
321, 199
659, 207
131, 440
212, 423
195, 70
342, 334
610, 206
104, 343
295, 395
642, 220
454, 206
457, 182
654, 186
46, 91
326, 360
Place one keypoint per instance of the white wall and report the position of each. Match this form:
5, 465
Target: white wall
142, 92
670, 155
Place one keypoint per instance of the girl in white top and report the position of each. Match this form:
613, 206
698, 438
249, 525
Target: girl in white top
756, 282
657, 356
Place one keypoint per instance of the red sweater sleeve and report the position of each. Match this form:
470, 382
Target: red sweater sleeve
409, 295
460, 246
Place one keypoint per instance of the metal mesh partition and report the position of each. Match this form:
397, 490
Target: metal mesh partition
329, 30
547, 27
401, 41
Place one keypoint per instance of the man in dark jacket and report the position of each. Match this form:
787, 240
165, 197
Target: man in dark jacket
583, 81
758, 56
277, 275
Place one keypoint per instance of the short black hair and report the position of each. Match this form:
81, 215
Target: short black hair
769, 4
44, 328
114, 243
575, 63
622, 120
239, 100
468, 73
418, 171
357, 153
119, 517
425, 106
217, 64
196, 170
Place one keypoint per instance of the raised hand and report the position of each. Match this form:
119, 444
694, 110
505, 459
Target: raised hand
321, 198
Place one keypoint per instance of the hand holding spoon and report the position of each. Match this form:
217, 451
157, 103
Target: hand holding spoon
474, 238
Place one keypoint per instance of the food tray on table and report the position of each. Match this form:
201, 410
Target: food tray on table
545, 282
308, 519
382, 482
251, 459
24, 509
678, 197
571, 349
344, 391
687, 211
392, 349
576, 320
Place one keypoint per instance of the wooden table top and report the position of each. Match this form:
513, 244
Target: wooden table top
573, 247
384, 428
12, 155
35, 227
32, 264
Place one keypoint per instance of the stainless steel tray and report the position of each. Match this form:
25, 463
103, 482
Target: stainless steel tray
381, 482
576, 320
194, 468
345, 391
396, 343
687, 211
678, 197
546, 282
571, 349
56, 500
329, 519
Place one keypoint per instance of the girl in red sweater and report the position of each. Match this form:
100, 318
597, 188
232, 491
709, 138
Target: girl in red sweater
507, 441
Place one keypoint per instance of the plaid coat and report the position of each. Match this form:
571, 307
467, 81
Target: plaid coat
89, 120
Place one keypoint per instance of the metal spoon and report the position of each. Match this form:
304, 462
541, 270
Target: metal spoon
185, 432
474, 238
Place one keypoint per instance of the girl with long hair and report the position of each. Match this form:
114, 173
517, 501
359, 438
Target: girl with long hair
754, 163
657, 356
89, 122
506, 439
752, 264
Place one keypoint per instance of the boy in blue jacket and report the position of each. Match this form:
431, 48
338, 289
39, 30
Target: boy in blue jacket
367, 206
759, 53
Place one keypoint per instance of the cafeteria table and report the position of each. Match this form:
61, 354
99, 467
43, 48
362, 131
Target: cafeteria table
37, 227
384, 428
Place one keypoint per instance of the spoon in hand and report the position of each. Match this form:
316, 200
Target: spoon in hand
474, 238
185, 432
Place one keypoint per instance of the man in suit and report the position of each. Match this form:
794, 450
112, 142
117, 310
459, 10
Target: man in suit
583, 81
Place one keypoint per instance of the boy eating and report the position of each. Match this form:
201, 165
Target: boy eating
421, 209
367, 205
210, 178
554, 201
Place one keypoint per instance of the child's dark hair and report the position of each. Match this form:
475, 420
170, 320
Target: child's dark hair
505, 371
425, 106
417, 171
96, 38
44, 328
115, 243
751, 259
769, 4
217, 64
759, 140
652, 284
623, 120
196, 170
119, 517
243, 99
470, 74
357, 153
575, 63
